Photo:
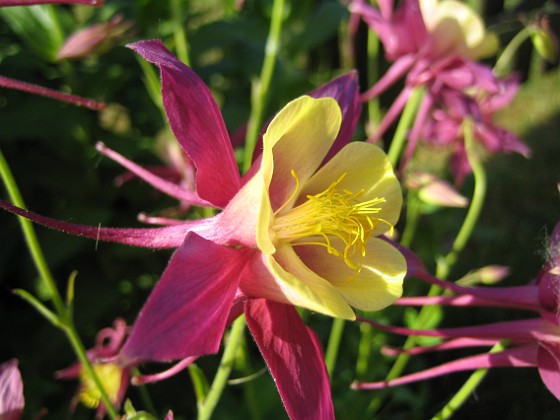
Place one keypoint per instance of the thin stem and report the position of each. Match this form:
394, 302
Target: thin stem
364, 350
261, 86
412, 215
405, 122
334, 344
147, 401
479, 174
8, 3
80, 351
504, 62
30, 237
468, 387
373, 106
40, 263
179, 34
222, 375
243, 364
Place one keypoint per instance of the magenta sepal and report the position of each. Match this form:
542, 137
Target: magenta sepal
187, 311
548, 361
525, 356
197, 123
294, 356
159, 238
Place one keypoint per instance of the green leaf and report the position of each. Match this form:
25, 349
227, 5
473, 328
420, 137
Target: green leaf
42, 309
38, 26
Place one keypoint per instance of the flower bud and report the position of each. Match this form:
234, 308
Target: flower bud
94, 39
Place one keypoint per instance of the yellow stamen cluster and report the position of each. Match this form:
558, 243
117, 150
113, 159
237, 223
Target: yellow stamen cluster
329, 218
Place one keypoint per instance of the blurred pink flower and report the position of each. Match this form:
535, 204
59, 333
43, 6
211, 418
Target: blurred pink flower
11, 391
94, 39
114, 378
432, 45
533, 342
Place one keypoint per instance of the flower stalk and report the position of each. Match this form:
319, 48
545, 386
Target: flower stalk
405, 122
262, 85
222, 375
468, 387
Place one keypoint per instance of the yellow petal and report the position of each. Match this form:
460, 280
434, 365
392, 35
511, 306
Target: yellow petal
455, 26
302, 287
368, 170
298, 139
376, 286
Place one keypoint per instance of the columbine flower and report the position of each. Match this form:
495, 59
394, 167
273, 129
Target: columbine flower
433, 43
113, 377
11, 391
300, 228
533, 342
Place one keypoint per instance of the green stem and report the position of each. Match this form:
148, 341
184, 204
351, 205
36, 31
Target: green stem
334, 344
468, 387
243, 365
373, 106
147, 401
30, 237
504, 62
261, 86
479, 174
408, 114
179, 34
364, 350
222, 375
40, 263
80, 351
412, 215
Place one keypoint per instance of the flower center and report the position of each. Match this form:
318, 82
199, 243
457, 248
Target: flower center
335, 219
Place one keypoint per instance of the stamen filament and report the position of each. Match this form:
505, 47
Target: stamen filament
331, 214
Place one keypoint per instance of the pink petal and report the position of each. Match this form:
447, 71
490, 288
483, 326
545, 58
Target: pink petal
159, 238
294, 357
457, 343
516, 296
522, 330
391, 76
11, 391
186, 313
517, 357
548, 360
463, 300
392, 114
197, 124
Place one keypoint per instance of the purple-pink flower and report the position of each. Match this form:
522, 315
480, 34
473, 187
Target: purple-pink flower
432, 44
11, 391
532, 342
